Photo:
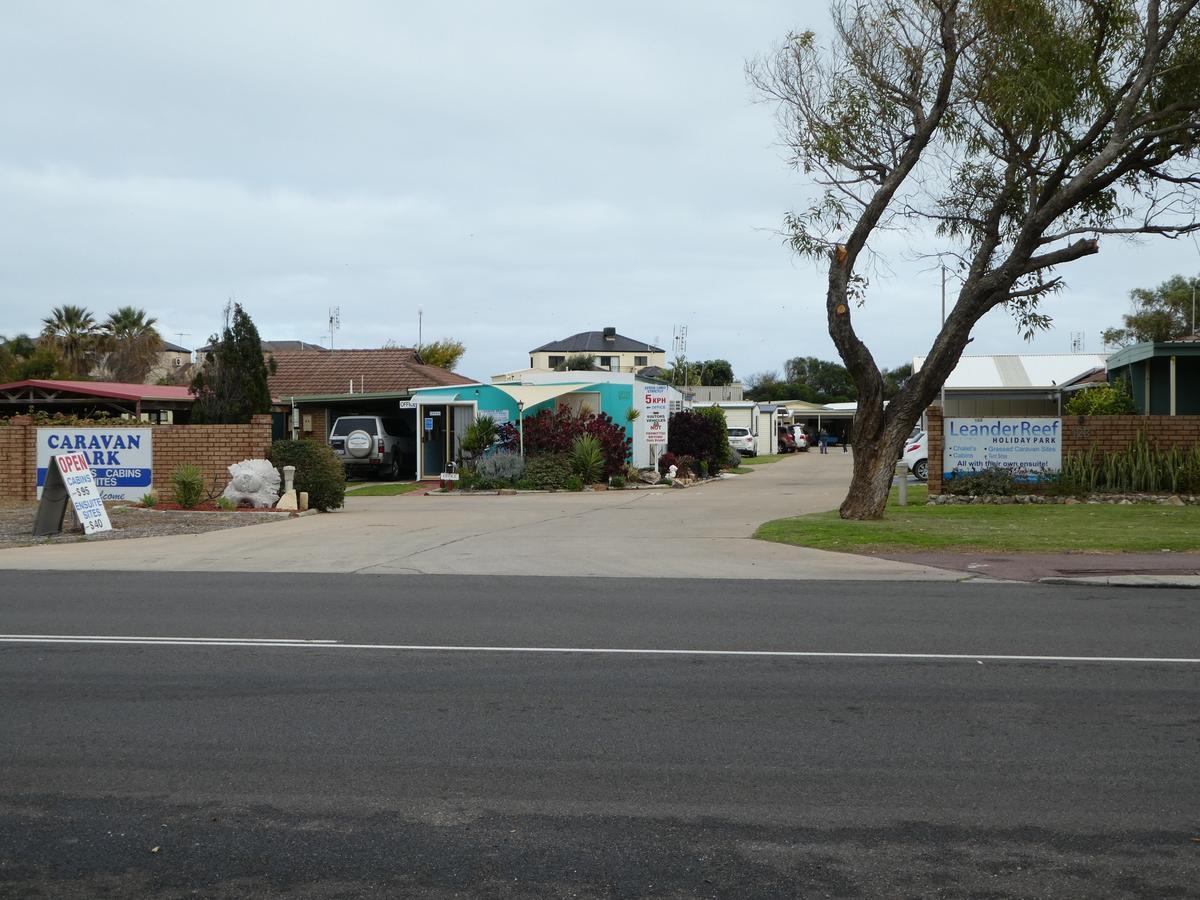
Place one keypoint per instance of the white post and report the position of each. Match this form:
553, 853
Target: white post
902, 490
521, 425
943, 328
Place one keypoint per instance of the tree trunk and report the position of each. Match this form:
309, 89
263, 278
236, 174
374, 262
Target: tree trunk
875, 458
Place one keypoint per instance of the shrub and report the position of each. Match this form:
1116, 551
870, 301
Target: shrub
1137, 468
150, 499
703, 464
188, 484
555, 432
318, 471
733, 459
224, 503
699, 434
617, 482
985, 481
1103, 400
686, 466
548, 472
502, 467
666, 461
574, 483
586, 459
479, 435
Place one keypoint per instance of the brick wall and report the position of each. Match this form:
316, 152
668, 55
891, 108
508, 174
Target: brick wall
211, 447
1079, 433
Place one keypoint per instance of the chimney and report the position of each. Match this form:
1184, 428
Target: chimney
610, 335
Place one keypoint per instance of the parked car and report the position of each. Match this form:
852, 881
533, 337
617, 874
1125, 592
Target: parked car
741, 440
787, 441
374, 445
801, 438
916, 456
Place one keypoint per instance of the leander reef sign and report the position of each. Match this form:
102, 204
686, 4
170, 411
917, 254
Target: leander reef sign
1030, 449
120, 459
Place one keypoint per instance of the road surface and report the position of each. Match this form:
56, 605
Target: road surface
322, 736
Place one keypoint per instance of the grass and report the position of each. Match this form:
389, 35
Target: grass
385, 490
1047, 528
763, 460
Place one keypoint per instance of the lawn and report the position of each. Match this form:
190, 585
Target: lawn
386, 490
1046, 528
763, 460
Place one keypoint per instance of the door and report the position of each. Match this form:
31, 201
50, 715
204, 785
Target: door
433, 441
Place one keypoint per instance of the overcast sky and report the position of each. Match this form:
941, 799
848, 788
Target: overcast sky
521, 171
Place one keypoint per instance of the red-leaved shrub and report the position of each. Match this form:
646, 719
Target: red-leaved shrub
554, 433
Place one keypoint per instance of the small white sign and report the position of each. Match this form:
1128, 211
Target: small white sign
1030, 449
85, 496
449, 476
408, 404
499, 416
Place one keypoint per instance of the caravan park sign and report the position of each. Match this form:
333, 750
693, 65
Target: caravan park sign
120, 459
1030, 449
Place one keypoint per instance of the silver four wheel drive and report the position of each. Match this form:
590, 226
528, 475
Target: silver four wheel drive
375, 445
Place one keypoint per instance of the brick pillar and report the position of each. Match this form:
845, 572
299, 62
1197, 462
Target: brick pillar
936, 440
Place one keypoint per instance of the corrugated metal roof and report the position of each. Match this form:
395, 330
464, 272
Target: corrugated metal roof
1013, 370
117, 390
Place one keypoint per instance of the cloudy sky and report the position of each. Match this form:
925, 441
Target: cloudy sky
519, 171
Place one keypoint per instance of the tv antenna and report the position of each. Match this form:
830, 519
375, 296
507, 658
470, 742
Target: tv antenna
1076, 341
335, 322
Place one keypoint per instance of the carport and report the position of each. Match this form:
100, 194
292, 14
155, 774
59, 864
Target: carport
313, 416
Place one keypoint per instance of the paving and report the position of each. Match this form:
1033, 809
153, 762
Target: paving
699, 532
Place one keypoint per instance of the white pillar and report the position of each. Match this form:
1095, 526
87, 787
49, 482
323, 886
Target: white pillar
1172, 385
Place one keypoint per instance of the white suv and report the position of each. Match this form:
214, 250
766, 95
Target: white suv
741, 440
375, 445
916, 456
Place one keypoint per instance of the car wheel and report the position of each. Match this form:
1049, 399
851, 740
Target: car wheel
921, 469
394, 469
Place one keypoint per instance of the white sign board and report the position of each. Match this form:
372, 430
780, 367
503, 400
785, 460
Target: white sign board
658, 410
81, 488
1030, 449
120, 459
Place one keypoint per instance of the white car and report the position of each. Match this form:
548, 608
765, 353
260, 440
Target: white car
741, 440
916, 456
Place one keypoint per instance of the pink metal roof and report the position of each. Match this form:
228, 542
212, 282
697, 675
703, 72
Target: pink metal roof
115, 389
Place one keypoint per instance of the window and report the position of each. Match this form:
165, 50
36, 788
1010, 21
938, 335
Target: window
556, 361
641, 360
612, 363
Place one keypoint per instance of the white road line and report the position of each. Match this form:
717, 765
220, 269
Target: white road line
281, 643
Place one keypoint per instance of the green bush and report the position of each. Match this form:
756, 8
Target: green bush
502, 467
1104, 400
188, 484
150, 499
996, 482
224, 503
479, 436
587, 459
318, 471
1139, 468
616, 482
547, 472
574, 483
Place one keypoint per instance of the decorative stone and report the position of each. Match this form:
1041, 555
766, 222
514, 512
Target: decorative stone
252, 481
650, 476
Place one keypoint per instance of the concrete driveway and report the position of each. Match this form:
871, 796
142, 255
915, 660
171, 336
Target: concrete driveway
700, 532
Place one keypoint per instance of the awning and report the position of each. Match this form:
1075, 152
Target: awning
441, 398
532, 394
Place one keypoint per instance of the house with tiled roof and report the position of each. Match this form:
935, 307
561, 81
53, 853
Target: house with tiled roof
313, 389
608, 350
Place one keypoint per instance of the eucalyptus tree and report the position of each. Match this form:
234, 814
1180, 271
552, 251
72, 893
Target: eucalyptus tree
1010, 134
72, 331
132, 344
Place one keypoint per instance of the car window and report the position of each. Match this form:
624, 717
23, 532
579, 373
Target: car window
738, 432
344, 426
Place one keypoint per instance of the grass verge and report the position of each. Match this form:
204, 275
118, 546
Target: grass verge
386, 490
1046, 528
763, 460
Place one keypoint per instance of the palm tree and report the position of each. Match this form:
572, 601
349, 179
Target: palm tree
72, 331
132, 343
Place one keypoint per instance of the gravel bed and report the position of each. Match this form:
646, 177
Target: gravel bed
16, 524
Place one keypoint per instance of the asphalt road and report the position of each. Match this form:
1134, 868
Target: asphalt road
476, 737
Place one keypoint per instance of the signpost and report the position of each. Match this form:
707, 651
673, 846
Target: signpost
69, 478
1030, 449
658, 408
120, 459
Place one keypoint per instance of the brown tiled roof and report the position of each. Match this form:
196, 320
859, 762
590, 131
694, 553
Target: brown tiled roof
302, 372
